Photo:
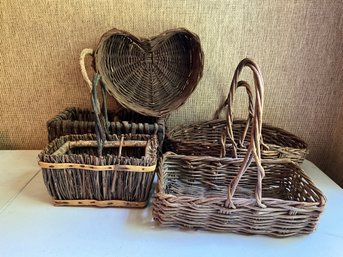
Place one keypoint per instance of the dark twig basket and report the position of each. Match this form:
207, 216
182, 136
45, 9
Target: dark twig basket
268, 197
150, 76
75, 175
204, 138
81, 121
102, 169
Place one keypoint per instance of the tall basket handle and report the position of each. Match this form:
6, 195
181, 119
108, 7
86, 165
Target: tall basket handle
254, 149
228, 131
84, 53
247, 87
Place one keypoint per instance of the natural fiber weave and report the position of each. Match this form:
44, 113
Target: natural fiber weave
101, 169
269, 197
150, 76
192, 193
205, 138
81, 121
82, 183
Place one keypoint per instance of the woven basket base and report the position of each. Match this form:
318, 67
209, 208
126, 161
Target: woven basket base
105, 203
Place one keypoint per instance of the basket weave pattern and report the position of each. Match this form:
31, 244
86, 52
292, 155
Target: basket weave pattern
192, 191
82, 184
150, 76
101, 169
205, 138
81, 121
250, 195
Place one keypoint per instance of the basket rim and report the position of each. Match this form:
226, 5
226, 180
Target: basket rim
160, 188
64, 142
171, 132
71, 110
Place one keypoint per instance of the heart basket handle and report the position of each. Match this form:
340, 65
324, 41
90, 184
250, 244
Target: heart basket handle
84, 53
101, 121
247, 87
254, 149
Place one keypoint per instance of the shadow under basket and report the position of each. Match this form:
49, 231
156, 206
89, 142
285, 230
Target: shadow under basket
192, 193
74, 174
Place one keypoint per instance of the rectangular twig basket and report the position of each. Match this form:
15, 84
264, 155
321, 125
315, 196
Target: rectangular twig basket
192, 193
81, 121
270, 197
74, 174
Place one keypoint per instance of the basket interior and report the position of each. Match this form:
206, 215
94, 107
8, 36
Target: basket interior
210, 132
135, 152
91, 148
150, 76
210, 177
136, 148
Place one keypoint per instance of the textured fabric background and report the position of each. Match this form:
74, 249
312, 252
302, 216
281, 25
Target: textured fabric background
298, 45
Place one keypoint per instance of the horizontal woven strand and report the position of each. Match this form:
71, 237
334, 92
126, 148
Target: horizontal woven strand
103, 203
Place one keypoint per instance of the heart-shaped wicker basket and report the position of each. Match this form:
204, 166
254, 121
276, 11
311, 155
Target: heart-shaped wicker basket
150, 76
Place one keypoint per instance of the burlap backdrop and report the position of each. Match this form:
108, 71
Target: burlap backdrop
298, 45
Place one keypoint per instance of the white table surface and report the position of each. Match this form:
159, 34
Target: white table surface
31, 226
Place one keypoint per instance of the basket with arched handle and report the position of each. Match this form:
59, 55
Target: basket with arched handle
246, 195
204, 138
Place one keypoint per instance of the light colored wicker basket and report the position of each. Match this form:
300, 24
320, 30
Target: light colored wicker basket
204, 138
101, 169
150, 76
250, 195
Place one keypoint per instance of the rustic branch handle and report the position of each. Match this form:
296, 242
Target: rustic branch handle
84, 53
245, 84
228, 132
254, 150
241, 83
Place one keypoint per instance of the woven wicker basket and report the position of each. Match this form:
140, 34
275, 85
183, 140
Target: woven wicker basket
75, 175
150, 76
204, 138
268, 197
81, 121
192, 193
101, 169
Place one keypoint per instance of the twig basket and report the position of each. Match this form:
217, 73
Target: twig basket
250, 195
81, 121
204, 138
192, 194
100, 169
150, 76
75, 175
